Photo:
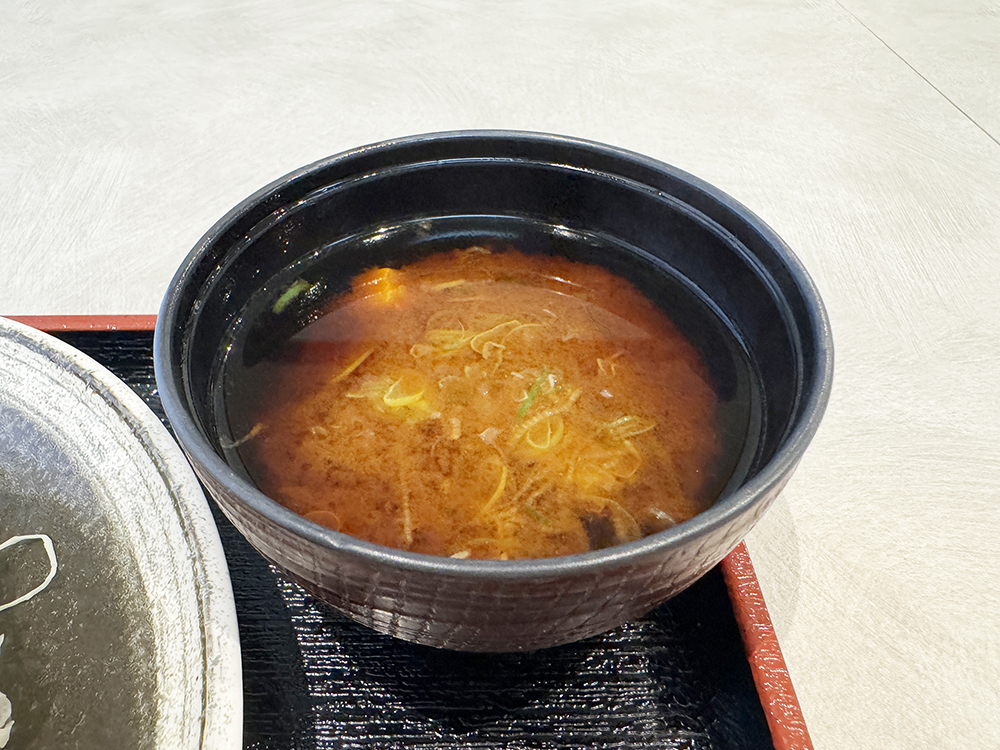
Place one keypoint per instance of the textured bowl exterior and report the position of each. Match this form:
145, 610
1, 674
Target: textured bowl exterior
484, 612
486, 605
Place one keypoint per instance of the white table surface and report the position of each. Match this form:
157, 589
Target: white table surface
866, 133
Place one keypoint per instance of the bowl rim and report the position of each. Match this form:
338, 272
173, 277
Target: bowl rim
772, 474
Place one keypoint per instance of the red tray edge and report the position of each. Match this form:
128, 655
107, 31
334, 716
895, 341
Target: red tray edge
767, 664
87, 322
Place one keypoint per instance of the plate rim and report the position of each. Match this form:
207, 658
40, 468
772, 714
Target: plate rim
221, 704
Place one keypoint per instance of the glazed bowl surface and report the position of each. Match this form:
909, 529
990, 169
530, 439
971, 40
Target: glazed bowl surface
392, 202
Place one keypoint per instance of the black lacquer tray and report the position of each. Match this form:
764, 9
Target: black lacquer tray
677, 678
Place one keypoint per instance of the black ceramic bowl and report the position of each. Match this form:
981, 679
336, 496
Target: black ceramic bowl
390, 202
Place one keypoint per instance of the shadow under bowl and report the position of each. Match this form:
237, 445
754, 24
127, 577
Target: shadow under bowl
393, 202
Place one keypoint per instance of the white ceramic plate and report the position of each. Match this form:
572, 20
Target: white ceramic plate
135, 642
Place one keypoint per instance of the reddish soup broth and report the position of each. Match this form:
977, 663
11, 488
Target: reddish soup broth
486, 405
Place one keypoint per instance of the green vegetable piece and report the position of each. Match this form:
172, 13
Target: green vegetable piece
536, 515
533, 392
290, 294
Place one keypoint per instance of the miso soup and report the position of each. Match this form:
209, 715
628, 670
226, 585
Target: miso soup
487, 403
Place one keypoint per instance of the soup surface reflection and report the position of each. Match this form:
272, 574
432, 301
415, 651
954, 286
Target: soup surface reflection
486, 405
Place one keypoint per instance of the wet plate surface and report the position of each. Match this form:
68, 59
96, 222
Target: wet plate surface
135, 642
677, 678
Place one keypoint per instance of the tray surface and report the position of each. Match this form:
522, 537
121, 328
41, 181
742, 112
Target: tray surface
677, 678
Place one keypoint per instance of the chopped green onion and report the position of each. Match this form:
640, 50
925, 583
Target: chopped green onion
289, 294
533, 392
535, 515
